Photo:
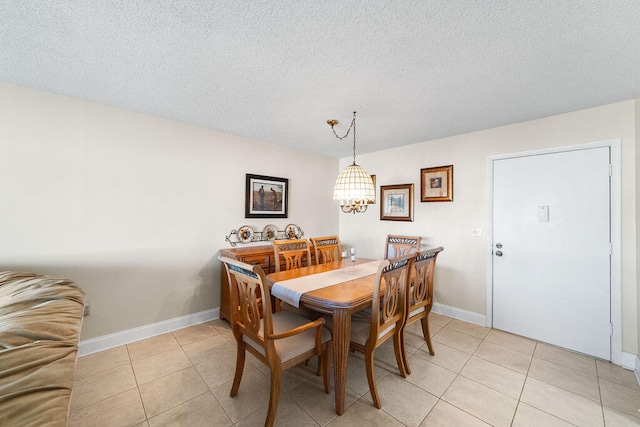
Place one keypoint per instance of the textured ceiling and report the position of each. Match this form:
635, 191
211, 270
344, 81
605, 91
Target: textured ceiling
277, 70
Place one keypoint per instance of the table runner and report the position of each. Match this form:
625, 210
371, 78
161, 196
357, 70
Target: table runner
291, 290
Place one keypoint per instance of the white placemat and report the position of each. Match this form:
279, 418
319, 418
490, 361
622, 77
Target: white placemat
291, 290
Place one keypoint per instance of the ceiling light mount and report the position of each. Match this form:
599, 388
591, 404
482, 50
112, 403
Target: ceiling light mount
354, 187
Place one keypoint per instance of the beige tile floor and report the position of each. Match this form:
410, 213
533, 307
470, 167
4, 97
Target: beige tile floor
478, 377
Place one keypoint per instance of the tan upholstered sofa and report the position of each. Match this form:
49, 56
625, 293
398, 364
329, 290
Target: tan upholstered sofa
40, 320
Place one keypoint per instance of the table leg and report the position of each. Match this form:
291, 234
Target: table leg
341, 337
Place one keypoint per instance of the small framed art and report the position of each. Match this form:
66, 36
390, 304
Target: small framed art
436, 184
266, 197
373, 178
396, 202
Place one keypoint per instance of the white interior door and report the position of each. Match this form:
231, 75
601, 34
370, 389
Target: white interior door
551, 253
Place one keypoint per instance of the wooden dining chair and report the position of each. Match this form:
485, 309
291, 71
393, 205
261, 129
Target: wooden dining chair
326, 249
295, 253
370, 329
292, 254
397, 246
280, 340
420, 297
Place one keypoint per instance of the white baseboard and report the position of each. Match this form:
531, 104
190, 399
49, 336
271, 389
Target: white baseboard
626, 360
460, 314
106, 342
94, 345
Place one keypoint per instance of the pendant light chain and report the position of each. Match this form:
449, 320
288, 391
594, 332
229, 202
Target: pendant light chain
351, 126
354, 188
354, 137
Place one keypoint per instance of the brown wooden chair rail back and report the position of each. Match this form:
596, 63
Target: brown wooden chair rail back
295, 253
326, 249
397, 246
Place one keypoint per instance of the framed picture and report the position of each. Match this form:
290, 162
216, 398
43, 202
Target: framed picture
436, 184
266, 197
396, 202
373, 178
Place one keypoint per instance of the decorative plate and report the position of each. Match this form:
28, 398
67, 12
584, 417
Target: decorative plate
270, 232
292, 231
245, 234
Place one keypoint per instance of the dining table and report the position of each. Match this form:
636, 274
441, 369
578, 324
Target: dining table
348, 288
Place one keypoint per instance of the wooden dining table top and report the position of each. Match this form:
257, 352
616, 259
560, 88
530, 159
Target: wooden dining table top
353, 293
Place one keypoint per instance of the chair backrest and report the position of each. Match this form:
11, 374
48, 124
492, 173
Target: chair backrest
397, 246
326, 249
293, 252
388, 312
248, 293
421, 291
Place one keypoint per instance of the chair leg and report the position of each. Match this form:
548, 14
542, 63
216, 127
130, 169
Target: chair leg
324, 364
426, 333
403, 350
399, 349
274, 395
368, 361
240, 357
319, 368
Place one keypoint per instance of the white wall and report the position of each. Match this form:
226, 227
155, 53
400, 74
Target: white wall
637, 171
461, 276
135, 208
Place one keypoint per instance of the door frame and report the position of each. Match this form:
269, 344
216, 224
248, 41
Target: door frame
616, 233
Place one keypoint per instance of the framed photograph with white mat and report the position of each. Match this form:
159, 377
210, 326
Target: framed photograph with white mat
436, 184
396, 202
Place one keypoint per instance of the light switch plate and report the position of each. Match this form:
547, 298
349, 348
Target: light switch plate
543, 213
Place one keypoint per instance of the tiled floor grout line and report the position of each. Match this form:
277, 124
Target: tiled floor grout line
604, 421
135, 377
459, 374
445, 391
513, 419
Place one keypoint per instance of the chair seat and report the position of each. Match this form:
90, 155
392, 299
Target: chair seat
416, 312
360, 331
291, 347
360, 325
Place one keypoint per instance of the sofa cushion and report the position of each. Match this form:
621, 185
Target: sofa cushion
40, 321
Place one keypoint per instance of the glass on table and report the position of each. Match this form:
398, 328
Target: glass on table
353, 258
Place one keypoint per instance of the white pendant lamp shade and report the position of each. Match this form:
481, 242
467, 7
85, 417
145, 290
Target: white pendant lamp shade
354, 186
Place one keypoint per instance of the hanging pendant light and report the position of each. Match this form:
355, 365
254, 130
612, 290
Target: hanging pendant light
354, 187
